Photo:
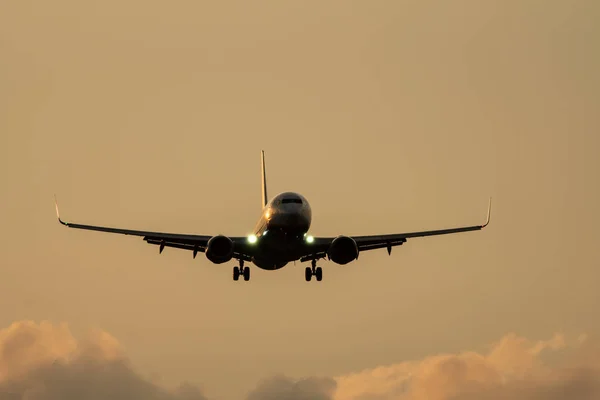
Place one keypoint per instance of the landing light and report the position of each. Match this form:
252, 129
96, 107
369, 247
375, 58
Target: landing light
310, 239
252, 239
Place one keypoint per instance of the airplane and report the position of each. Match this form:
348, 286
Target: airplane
280, 236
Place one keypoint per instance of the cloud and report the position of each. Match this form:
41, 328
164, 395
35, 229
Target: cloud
284, 388
45, 362
514, 368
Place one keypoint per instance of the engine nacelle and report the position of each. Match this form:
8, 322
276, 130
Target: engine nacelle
219, 249
342, 250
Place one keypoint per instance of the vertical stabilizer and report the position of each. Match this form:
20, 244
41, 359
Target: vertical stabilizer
265, 199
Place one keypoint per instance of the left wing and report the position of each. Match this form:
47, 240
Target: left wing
371, 242
195, 243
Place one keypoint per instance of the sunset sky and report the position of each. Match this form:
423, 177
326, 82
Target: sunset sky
389, 116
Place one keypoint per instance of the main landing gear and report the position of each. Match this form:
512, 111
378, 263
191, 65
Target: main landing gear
241, 270
314, 270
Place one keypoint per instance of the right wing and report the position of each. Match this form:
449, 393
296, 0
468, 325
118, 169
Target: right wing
372, 242
195, 243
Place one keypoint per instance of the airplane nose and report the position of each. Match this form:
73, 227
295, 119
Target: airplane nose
292, 218
289, 220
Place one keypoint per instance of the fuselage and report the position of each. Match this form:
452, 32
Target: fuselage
281, 231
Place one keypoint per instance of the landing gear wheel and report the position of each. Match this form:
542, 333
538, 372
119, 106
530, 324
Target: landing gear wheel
246, 274
319, 274
307, 274
236, 273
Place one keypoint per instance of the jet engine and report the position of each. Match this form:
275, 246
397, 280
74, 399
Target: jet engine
342, 250
219, 249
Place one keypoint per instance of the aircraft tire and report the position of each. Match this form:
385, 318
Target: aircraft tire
236, 273
319, 274
246, 273
307, 274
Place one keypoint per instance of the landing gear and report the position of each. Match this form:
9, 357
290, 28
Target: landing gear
319, 274
307, 274
314, 270
241, 270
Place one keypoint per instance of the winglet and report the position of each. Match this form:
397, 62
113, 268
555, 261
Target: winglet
488, 214
57, 213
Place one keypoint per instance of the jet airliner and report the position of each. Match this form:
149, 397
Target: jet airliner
281, 236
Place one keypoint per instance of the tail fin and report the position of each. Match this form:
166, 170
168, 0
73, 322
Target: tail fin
265, 199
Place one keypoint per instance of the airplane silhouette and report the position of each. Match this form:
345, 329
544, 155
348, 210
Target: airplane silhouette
279, 237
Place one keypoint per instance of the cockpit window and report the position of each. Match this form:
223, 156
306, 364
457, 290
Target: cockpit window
292, 200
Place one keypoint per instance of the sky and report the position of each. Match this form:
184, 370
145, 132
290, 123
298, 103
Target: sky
389, 116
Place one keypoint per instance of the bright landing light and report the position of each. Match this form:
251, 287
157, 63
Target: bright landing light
252, 239
310, 239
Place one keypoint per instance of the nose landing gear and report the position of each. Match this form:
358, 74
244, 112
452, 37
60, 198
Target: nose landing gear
241, 270
314, 270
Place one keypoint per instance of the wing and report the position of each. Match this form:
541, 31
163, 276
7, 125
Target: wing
372, 242
195, 243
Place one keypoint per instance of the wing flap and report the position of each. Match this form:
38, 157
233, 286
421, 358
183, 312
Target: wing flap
177, 245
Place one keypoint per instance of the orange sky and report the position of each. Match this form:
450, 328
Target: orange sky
388, 116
